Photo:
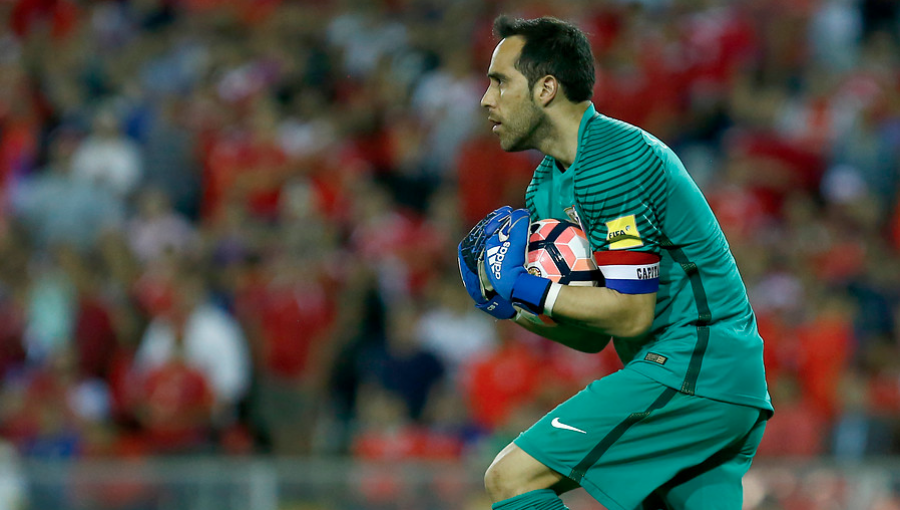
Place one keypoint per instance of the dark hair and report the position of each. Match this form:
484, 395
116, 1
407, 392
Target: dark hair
554, 47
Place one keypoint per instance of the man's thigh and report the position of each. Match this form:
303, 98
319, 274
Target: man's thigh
715, 484
626, 435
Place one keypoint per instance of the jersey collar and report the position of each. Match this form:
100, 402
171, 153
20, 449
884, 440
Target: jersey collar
586, 118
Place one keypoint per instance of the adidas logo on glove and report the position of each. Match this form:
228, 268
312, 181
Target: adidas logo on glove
495, 258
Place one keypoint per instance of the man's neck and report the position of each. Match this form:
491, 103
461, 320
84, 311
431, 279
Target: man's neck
562, 142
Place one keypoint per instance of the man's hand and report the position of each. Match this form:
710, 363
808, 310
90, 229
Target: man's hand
469, 254
504, 263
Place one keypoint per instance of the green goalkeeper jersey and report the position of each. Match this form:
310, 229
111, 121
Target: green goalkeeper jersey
652, 230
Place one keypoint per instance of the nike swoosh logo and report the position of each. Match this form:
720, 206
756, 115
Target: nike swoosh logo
501, 235
503, 231
559, 425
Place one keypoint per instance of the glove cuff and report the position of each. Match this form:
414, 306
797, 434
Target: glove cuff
497, 308
530, 292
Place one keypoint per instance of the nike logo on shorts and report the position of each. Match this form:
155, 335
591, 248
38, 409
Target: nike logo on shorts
560, 425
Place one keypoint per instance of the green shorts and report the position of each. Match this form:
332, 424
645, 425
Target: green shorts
629, 440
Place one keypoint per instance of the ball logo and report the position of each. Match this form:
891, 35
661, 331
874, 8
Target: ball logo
535, 271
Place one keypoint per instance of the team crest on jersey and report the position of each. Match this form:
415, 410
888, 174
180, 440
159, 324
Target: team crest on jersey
572, 213
622, 233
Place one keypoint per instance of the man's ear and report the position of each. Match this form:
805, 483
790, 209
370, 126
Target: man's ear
546, 90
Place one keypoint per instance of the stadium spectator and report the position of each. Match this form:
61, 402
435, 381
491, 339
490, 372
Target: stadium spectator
452, 329
157, 228
107, 157
209, 340
289, 316
486, 175
171, 156
51, 308
499, 381
58, 207
800, 429
401, 365
304, 148
174, 405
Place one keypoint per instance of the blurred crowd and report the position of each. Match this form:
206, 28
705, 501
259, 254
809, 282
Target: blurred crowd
229, 226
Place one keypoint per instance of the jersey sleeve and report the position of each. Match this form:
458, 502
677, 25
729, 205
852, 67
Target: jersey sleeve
626, 246
622, 199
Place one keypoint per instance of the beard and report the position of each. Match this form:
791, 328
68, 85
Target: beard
526, 131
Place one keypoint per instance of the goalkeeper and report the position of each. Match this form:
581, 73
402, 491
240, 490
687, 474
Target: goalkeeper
678, 427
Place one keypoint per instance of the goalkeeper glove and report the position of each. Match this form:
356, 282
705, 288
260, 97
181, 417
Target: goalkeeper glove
505, 253
470, 252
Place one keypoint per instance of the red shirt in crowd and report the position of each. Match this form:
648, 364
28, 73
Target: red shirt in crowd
175, 407
489, 177
499, 382
290, 322
248, 172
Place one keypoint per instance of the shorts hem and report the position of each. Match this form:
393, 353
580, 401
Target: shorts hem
591, 488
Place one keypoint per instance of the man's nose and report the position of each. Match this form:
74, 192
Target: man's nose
487, 100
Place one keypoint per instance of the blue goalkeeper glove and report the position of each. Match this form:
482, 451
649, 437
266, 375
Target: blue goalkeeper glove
470, 253
505, 253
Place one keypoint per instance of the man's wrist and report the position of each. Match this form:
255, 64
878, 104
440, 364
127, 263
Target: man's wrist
531, 292
550, 300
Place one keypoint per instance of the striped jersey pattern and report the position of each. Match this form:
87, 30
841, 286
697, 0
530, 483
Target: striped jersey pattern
652, 228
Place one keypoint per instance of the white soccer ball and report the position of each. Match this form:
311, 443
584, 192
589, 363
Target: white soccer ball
560, 251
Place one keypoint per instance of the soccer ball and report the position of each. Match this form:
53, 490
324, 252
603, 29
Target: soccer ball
559, 250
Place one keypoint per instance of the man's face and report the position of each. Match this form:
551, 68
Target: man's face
509, 101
